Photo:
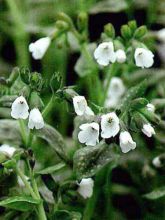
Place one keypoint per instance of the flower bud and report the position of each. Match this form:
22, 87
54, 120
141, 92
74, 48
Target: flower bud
140, 32
25, 75
36, 81
109, 30
86, 188
132, 25
126, 32
120, 56
62, 25
82, 21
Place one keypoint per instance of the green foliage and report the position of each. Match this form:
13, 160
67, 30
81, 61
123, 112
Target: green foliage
20, 203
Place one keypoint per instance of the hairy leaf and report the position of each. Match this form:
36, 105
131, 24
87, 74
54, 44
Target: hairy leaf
21, 203
155, 194
88, 160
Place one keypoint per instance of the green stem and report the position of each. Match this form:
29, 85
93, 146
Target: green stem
20, 34
27, 184
23, 130
48, 107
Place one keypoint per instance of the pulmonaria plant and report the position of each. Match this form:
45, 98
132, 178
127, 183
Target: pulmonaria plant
108, 130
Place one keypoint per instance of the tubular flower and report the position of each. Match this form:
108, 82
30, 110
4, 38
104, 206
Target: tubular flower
148, 130
35, 119
81, 107
89, 134
85, 188
7, 150
143, 58
120, 56
104, 53
126, 142
151, 107
39, 48
19, 108
109, 125
156, 162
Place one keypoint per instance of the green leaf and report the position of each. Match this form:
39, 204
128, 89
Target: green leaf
52, 169
109, 6
20, 203
55, 140
9, 131
89, 160
139, 103
133, 93
155, 194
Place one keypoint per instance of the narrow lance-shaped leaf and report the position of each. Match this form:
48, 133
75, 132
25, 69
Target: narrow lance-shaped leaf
155, 194
20, 203
54, 138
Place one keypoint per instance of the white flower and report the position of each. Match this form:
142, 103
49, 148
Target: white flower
148, 130
39, 48
111, 102
161, 35
89, 133
80, 106
126, 142
85, 188
116, 87
7, 150
104, 53
19, 108
143, 58
120, 56
109, 125
156, 162
35, 119
150, 107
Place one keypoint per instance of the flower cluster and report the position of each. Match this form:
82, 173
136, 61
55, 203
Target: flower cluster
110, 126
105, 54
20, 110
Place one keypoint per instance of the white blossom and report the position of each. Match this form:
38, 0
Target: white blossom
39, 47
116, 87
80, 106
109, 125
115, 92
7, 150
148, 130
19, 108
120, 56
150, 107
85, 188
104, 53
35, 119
89, 134
126, 142
161, 35
111, 102
143, 58
156, 162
